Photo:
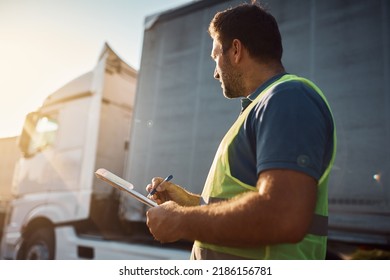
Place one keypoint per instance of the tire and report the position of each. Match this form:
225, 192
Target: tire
40, 245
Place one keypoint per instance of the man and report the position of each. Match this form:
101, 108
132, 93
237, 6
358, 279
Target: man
266, 193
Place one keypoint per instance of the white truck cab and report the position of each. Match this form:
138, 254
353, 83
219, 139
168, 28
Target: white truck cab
60, 210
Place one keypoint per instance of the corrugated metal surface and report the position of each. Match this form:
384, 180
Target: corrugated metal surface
180, 113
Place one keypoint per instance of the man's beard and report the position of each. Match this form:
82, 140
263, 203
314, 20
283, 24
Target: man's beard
231, 82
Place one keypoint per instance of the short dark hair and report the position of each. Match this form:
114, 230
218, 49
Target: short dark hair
255, 27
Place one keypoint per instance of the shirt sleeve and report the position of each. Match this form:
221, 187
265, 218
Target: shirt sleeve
292, 127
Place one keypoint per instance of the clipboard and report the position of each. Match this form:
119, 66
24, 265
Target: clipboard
123, 185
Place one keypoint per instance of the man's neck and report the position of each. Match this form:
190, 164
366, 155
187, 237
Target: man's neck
259, 74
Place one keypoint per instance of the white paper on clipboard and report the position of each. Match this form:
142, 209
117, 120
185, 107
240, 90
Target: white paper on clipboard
123, 185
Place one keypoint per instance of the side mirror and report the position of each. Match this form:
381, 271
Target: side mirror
27, 133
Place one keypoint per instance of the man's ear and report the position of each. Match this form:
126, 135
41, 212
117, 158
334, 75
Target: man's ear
237, 49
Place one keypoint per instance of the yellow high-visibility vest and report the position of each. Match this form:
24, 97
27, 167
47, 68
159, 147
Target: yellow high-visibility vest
221, 185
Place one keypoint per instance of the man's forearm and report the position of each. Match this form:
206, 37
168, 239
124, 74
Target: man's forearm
240, 222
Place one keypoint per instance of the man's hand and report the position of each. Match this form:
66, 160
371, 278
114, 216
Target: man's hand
164, 222
168, 191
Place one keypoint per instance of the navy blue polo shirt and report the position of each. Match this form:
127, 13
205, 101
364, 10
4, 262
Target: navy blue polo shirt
290, 128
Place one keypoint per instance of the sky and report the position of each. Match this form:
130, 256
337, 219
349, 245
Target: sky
44, 44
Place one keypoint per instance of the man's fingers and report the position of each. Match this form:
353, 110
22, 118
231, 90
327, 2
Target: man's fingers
149, 188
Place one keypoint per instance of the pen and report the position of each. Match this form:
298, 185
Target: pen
155, 189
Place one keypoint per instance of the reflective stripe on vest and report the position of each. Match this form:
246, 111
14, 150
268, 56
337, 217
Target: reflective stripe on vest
221, 185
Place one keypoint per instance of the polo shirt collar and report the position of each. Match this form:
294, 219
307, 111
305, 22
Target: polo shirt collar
245, 101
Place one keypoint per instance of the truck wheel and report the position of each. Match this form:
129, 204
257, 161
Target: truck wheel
40, 245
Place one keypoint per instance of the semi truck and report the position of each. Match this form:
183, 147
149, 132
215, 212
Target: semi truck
59, 210
177, 120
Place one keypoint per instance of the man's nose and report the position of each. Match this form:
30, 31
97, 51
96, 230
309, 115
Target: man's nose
216, 75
